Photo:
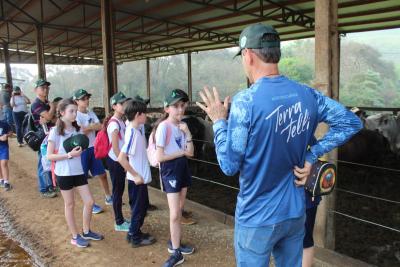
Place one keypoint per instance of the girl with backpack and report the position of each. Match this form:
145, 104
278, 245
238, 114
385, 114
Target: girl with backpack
115, 131
69, 172
174, 168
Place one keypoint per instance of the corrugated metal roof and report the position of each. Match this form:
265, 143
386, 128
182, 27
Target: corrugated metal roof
153, 28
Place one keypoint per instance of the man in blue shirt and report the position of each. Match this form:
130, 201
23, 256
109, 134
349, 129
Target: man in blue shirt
265, 138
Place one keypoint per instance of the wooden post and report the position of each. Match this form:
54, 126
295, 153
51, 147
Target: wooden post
110, 69
326, 81
7, 64
189, 73
40, 52
148, 79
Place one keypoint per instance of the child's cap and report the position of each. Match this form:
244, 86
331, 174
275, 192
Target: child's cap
41, 82
16, 89
79, 94
118, 98
140, 99
175, 96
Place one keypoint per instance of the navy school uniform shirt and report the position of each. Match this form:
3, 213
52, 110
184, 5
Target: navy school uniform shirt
4, 129
267, 133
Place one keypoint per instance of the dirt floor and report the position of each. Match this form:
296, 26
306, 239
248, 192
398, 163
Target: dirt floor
40, 225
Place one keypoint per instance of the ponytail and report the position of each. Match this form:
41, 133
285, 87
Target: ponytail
106, 120
157, 123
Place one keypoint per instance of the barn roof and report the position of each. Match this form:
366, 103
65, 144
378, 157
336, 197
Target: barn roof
154, 28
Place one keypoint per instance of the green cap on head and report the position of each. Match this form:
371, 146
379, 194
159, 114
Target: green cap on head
41, 82
175, 96
252, 37
74, 141
79, 94
16, 89
118, 98
140, 99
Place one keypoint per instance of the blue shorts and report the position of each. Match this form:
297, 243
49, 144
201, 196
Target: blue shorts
89, 162
4, 153
175, 175
308, 240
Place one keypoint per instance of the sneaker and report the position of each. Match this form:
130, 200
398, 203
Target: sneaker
7, 186
108, 201
96, 209
20, 145
124, 227
1, 183
127, 221
79, 242
184, 249
147, 236
142, 242
175, 259
92, 236
48, 194
187, 214
187, 221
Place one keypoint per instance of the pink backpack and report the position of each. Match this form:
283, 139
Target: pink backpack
101, 144
152, 148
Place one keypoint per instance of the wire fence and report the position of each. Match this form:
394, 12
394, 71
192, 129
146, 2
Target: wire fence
357, 194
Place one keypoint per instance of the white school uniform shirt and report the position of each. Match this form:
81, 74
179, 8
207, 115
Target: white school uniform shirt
83, 120
112, 125
177, 141
65, 167
135, 147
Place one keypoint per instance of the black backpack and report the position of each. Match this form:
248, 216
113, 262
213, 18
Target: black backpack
33, 136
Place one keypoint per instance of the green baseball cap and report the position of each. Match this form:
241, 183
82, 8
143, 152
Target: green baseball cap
118, 98
41, 82
140, 99
175, 96
16, 89
78, 94
74, 141
251, 37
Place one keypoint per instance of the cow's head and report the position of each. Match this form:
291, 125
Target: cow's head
389, 126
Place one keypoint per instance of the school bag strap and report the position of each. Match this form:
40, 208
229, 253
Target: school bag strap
152, 148
119, 126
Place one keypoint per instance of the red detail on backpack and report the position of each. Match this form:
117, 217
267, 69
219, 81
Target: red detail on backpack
152, 148
101, 143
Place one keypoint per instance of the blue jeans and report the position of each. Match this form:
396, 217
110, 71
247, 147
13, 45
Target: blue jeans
18, 119
254, 245
44, 178
8, 117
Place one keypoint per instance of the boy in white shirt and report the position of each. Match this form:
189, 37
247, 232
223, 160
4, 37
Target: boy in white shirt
138, 170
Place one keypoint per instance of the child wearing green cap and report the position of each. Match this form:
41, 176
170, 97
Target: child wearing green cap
174, 168
69, 172
115, 130
89, 124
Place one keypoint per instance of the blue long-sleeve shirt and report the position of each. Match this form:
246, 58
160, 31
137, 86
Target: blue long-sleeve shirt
269, 127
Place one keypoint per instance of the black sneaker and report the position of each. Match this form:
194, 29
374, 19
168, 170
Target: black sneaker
141, 242
7, 186
146, 235
175, 259
184, 249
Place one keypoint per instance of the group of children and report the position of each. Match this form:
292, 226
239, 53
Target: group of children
127, 157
